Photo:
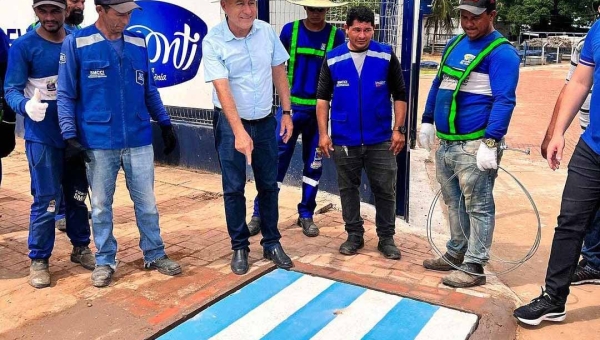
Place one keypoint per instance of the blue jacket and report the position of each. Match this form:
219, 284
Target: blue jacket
106, 99
361, 107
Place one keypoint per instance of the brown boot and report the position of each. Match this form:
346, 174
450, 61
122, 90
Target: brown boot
83, 255
39, 274
460, 279
441, 263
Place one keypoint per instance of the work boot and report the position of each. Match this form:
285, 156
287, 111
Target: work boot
254, 225
388, 248
39, 274
441, 263
83, 255
61, 224
102, 276
461, 279
309, 228
352, 244
164, 265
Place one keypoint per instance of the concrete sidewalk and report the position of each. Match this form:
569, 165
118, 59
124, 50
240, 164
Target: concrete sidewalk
140, 303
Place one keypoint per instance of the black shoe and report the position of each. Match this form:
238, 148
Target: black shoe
309, 228
102, 276
254, 225
164, 265
441, 263
585, 275
239, 261
279, 257
83, 255
388, 248
539, 309
352, 244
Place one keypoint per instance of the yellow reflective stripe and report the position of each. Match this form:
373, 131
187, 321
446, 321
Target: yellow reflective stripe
293, 45
468, 136
474, 63
310, 51
452, 72
331, 39
448, 50
303, 101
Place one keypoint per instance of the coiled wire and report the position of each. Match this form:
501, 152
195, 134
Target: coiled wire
515, 264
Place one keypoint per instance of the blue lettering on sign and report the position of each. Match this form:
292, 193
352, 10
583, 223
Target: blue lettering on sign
13, 34
174, 38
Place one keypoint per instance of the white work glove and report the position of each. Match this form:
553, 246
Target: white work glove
36, 110
487, 158
427, 136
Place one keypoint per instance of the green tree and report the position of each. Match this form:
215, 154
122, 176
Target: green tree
547, 15
441, 19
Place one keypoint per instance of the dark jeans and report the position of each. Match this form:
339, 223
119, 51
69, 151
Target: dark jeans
580, 201
591, 244
380, 166
233, 171
305, 123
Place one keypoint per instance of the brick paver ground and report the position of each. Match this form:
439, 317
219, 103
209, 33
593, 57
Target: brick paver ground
139, 302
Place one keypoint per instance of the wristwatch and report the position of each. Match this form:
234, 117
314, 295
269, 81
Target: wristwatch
286, 112
490, 142
401, 129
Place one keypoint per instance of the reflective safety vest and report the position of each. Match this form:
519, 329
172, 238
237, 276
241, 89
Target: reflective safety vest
295, 50
461, 76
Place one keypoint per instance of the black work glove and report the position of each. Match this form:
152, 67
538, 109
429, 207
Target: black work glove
75, 151
7, 138
169, 138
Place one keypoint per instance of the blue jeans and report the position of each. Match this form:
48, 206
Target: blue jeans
305, 123
470, 200
233, 172
591, 244
138, 165
381, 169
48, 173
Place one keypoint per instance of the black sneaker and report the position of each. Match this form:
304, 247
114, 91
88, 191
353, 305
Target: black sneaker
164, 265
254, 225
539, 309
352, 244
585, 275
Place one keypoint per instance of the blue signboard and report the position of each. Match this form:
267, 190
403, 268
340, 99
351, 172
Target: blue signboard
174, 38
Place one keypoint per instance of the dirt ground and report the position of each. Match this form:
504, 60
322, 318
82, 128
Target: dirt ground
516, 222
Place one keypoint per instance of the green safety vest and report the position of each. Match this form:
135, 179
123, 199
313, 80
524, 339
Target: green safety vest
295, 50
462, 76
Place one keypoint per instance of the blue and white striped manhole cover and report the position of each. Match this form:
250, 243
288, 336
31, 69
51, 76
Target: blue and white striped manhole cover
290, 305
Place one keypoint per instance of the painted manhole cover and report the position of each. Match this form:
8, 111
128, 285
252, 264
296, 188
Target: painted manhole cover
290, 305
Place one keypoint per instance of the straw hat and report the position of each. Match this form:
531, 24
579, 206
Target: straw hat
317, 3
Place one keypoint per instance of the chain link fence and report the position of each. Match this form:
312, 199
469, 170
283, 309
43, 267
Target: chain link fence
388, 30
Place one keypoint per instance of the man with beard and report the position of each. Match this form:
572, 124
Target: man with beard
74, 16
73, 20
31, 88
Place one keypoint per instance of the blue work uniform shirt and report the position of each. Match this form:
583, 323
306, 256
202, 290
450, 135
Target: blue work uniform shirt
247, 63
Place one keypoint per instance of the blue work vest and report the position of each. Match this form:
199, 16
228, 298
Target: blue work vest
111, 110
361, 107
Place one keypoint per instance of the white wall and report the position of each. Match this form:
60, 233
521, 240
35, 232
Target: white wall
17, 15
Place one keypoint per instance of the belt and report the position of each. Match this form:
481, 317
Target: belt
250, 121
